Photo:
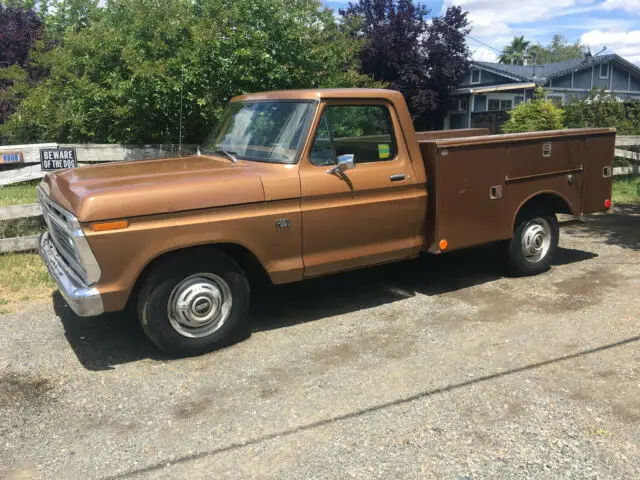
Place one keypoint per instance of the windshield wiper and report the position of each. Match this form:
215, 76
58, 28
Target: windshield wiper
229, 155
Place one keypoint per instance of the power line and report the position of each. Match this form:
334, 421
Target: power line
467, 35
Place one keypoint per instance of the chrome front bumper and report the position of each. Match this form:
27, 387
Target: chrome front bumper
84, 301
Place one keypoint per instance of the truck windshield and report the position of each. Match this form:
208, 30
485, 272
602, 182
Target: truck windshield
261, 131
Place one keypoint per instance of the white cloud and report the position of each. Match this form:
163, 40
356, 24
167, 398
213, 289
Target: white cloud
632, 6
483, 54
491, 12
483, 26
625, 44
496, 22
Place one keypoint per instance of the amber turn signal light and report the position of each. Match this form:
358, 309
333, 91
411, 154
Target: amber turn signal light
443, 244
607, 203
107, 226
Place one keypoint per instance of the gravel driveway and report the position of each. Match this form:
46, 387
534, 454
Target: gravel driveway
437, 368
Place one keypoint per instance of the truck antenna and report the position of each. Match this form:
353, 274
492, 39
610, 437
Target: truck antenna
181, 92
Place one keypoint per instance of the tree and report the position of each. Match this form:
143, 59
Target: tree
534, 115
423, 61
28, 29
516, 52
558, 50
20, 29
120, 78
69, 15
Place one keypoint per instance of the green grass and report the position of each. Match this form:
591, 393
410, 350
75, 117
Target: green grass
19, 194
23, 278
626, 190
21, 227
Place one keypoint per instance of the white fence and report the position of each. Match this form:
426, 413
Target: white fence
633, 156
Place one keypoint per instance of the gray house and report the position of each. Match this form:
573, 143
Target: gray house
489, 90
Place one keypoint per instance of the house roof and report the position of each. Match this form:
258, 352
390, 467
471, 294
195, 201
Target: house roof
541, 73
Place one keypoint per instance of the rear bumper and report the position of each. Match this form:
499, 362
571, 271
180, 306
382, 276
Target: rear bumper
84, 301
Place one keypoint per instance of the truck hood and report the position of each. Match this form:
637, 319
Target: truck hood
121, 190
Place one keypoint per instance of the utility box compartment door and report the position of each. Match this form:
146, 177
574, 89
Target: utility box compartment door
597, 172
536, 158
470, 188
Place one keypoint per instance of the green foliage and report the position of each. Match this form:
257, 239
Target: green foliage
19, 193
69, 15
119, 79
15, 86
601, 109
516, 52
357, 121
59, 15
626, 190
534, 115
558, 50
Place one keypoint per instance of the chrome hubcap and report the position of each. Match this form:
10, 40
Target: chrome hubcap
199, 305
536, 240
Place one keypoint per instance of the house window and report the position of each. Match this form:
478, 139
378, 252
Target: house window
499, 105
475, 75
460, 104
556, 98
518, 99
604, 70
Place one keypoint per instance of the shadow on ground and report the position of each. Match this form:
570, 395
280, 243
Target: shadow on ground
620, 228
116, 338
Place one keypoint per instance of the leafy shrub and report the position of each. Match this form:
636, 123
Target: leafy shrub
600, 109
535, 115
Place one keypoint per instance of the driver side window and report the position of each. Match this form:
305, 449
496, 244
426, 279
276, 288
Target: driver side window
365, 131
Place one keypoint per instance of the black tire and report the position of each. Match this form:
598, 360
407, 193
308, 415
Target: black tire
528, 222
178, 272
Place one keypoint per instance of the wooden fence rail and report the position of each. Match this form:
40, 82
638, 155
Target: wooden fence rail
21, 244
20, 211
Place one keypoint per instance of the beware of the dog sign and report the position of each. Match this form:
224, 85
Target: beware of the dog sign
56, 158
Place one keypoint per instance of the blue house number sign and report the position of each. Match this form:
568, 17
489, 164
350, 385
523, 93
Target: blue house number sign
11, 157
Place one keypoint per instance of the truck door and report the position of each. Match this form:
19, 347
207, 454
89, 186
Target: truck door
368, 214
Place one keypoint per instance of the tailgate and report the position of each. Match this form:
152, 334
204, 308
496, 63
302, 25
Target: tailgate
597, 172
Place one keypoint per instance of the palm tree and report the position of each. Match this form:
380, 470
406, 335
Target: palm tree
516, 52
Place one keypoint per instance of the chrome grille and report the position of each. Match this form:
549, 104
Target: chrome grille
62, 235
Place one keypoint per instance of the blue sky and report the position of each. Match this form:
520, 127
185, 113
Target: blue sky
597, 23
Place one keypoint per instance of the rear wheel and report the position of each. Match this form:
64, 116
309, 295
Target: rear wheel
534, 242
191, 304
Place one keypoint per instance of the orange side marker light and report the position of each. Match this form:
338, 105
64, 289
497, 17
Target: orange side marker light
443, 244
107, 226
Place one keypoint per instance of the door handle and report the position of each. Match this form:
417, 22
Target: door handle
397, 177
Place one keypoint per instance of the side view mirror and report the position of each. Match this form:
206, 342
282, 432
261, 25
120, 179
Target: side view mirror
344, 162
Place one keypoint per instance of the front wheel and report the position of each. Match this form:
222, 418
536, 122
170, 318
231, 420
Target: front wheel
192, 304
534, 242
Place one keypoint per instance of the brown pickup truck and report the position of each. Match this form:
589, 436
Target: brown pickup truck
297, 184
